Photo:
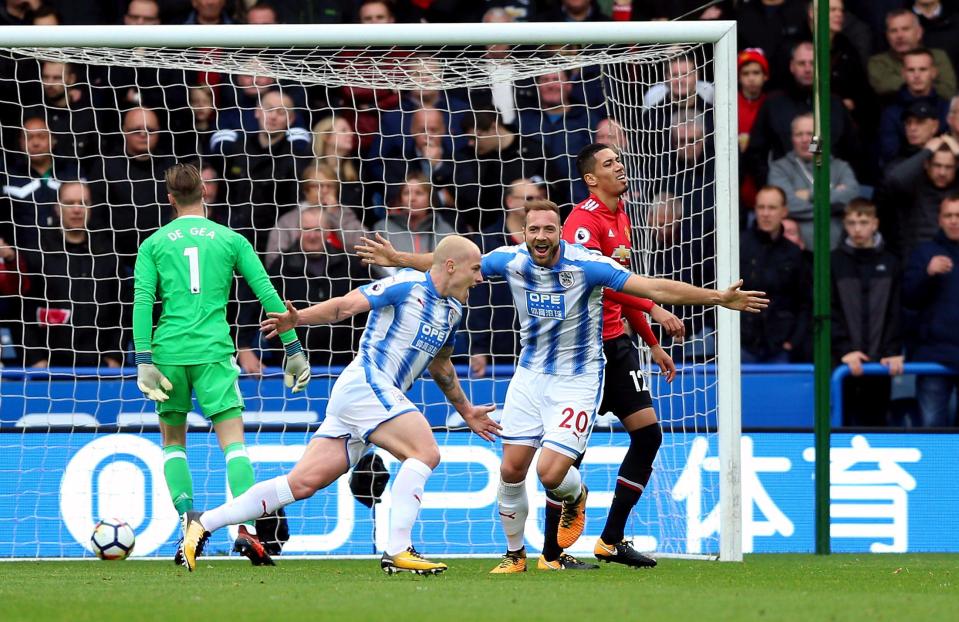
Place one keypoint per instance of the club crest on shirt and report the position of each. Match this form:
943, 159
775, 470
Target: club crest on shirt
566, 279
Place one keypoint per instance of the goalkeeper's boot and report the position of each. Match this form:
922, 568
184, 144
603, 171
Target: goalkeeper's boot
565, 562
178, 557
410, 561
513, 561
622, 553
572, 519
195, 536
249, 545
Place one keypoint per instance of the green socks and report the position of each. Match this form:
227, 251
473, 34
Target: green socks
176, 471
239, 470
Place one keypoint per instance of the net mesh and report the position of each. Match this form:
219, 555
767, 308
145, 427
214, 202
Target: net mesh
303, 151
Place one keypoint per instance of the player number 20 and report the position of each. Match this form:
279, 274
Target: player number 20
193, 255
581, 420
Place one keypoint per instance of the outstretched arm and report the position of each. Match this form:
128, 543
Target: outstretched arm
678, 293
476, 417
327, 312
379, 252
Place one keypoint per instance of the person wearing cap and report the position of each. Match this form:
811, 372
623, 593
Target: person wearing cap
753, 74
921, 123
919, 73
794, 174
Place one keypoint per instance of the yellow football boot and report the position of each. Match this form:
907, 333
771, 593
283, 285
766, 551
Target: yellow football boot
514, 561
410, 561
565, 562
572, 520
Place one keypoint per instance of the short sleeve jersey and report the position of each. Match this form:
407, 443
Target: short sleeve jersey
408, 325
559, 308
593, 225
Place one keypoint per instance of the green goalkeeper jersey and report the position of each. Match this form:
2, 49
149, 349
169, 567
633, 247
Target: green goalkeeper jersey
190, 263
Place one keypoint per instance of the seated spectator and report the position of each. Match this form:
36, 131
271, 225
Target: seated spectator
564, 129
916, 188
573, 11
919, 73
208, 13
771, 134
18, 13
865, 314
665, 106
142, 13
426, 148
610, 132
904, 34
195, 141
771, 263
68, 111
335, 144
28, 185
13, 288
848, 79
318, 189
683, 87
930, 286
376, 12
496, 155
953, 119
312, 270
262, 13
753, 75
794, 174
771, 26
262, 168
921, 124
72, 317
411, 224
688, 171
129, 190
47, 16
491, 317
940, 26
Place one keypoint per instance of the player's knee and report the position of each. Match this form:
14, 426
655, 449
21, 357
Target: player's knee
302, 487
549, 477
511, 473
430, 456
647, 440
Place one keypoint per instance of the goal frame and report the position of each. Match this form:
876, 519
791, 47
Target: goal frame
721, 34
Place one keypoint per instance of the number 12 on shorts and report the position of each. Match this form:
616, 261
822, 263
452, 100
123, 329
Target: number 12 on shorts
574, 420
193, 255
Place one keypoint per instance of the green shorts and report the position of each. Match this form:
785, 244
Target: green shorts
215, 385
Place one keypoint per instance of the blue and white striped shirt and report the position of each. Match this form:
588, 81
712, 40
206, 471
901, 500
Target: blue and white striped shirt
409, 324
560, 308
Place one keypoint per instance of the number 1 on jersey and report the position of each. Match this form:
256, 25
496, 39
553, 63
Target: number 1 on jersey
193, 254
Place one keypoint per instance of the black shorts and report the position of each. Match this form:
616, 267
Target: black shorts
624, 391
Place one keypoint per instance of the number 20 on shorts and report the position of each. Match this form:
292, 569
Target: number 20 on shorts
574, 420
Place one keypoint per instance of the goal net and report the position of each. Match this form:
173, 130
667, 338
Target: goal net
309, 137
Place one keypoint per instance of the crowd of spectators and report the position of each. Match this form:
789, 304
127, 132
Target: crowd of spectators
304, 170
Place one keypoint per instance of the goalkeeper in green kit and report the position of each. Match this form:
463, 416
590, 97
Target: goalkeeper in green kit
190, 263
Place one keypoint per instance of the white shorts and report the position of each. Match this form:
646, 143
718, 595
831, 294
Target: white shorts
550, 410
361, 400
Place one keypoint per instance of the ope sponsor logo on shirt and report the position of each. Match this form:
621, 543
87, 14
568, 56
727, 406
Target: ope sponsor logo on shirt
429, 338
551, 306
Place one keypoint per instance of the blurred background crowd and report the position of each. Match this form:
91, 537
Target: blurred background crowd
305, 169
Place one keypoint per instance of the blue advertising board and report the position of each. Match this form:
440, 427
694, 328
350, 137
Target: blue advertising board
890, 492
773, 396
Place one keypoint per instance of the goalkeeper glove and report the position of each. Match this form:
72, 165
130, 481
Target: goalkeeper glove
296, 369
151, 380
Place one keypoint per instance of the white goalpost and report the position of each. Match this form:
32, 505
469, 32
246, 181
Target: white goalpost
308, 136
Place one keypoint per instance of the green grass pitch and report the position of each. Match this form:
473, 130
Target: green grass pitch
765, 587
